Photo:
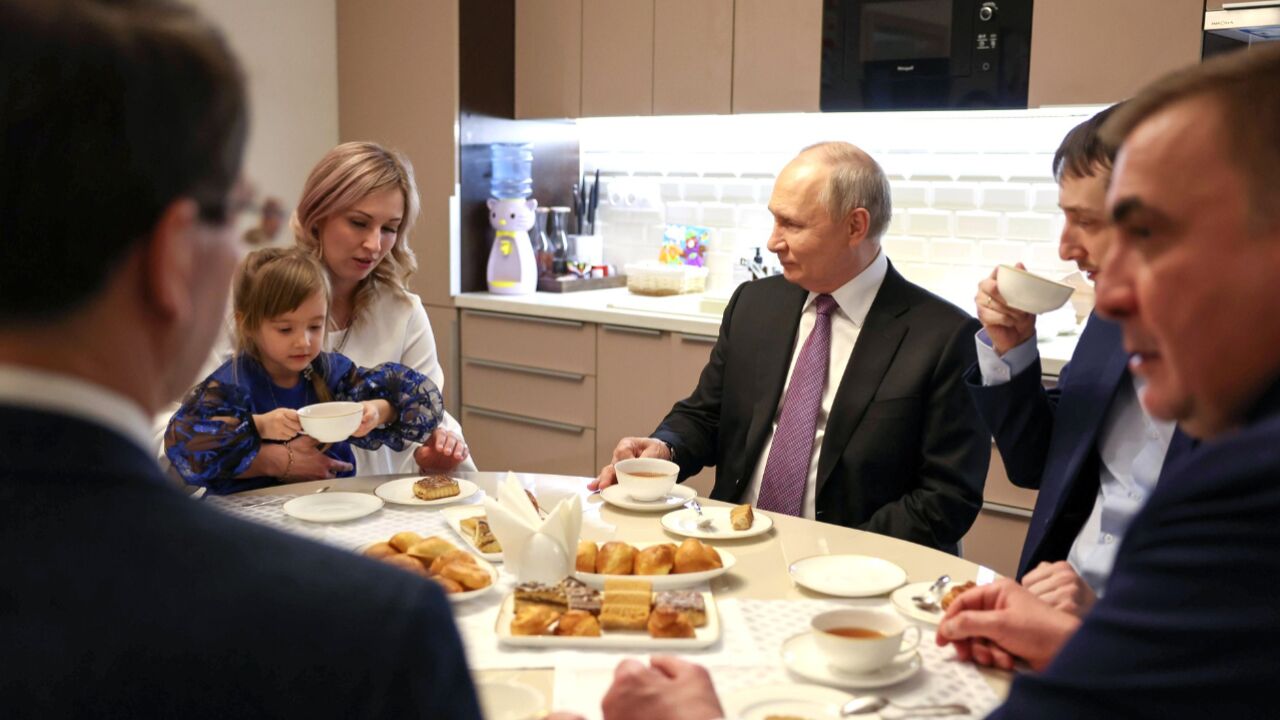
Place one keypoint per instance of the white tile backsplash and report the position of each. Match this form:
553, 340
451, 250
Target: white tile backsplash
1005, 197
903, 248
1045, 197
907, 194
715, 214
933, 223
684, 213
995, 252
955, 195
978, 224
1029, 226
951, 252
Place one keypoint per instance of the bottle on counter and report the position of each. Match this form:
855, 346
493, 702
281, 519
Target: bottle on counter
558, 239
542, 249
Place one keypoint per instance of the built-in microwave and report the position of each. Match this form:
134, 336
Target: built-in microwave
925, 54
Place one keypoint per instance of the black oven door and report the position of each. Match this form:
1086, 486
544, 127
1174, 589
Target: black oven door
925, 54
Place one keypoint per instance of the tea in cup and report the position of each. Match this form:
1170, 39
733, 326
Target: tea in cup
860, 640
646, 479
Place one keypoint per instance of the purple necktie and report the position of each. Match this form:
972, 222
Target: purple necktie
786, 472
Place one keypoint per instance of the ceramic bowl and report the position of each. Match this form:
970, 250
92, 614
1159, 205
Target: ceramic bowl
332, 421
1029, 292
646, 479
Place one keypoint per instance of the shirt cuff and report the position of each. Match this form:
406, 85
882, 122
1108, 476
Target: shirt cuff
997, 370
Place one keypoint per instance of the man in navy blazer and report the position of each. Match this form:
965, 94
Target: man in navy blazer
122, 127
1188, 626
1087, 445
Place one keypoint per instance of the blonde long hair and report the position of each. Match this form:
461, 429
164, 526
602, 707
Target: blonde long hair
344, 176
270, 283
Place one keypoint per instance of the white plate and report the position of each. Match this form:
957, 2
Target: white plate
902, 601
807, 701
630, 640
679, 495
847, 575
509, 701
665, 582
455, 515
685, 522
801, 655
332, 506
400, 492
455, 597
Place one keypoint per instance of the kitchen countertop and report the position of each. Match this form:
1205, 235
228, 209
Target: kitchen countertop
672, 313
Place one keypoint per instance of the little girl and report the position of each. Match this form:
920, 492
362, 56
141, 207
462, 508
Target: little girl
281, 301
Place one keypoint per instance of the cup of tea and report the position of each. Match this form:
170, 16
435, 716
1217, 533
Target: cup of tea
646, 479
862, 640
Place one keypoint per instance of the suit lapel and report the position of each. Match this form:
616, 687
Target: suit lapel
878, 342
771, 348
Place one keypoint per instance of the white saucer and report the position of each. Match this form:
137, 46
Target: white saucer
808, 701
400, 492
801, 655
847, 575
901, 599
679, 495
509, 701
332, 506
685, 522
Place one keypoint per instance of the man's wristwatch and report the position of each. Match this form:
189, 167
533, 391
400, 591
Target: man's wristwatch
671, 450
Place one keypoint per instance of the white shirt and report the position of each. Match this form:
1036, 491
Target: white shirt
70, 395
853, 299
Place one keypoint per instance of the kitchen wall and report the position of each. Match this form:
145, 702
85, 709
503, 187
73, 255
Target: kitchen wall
970, 189
289, 52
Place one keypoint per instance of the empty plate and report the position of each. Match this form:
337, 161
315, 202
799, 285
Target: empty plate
332, 506
679, 495
847, 575
509, 701
806, 701
400, 492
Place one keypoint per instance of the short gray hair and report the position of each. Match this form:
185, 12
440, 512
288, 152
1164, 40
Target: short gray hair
857, 181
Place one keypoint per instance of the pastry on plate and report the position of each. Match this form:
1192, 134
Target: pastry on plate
955, 592
693, 556
450, 587
402, 541
533, 620
627, 585
470, 576
579, 624
667, 623
482, 537
404, 562
586, 558
380, 550
656, 559
688, 603
580, 596
532, 593
623, 617
616, 558
453, 556
468, 524
741, 517
429, 549
435, 487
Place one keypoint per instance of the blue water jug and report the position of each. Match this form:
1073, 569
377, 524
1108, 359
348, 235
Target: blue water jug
512, 170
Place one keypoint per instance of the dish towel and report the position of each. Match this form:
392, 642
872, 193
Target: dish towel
786, 472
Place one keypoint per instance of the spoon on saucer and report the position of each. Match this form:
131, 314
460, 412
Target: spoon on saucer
704, 523
868, 704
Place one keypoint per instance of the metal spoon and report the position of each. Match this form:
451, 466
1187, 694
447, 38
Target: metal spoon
704, 522
868, 704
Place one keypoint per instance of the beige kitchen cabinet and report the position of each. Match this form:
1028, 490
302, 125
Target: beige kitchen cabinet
617, 57
502, 441
642, 373
1089, 51
777, 54
692, 57
548, 56
997, 536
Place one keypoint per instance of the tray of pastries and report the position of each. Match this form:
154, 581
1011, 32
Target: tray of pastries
629, 614
459, 573
470, 523
666, 565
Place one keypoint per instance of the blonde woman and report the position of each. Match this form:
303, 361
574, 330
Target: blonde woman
357, 208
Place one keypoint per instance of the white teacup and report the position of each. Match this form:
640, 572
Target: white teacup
332, 421
1029, 292
873, 638
646, 479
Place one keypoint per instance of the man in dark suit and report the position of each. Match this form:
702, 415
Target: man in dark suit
122, 126
1088, 446
1188, 625
835, 392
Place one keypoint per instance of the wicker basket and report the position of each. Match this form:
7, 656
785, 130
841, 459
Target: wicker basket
654, 278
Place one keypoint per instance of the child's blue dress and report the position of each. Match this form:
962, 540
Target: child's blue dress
212, 438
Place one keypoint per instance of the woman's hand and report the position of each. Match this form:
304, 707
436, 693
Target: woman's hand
307, 461
376, 413
442, 452
279, 424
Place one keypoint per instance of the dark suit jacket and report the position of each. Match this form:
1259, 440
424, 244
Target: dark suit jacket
905, 453
1189, 626
1049, 438
121, 597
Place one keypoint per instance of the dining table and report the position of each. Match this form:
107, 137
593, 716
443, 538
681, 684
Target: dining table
759, 585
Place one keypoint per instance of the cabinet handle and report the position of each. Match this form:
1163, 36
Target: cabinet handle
632, 330
524, 318
700, 339
1006, 510
557, 374
548, 424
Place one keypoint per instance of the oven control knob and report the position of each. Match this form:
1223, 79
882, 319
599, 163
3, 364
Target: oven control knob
987, 11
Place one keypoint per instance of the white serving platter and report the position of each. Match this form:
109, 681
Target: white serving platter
664, 582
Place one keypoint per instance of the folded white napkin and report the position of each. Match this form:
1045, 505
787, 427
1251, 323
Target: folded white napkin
534, 549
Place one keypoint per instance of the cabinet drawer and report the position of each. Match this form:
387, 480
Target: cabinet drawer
996, 539
557, 395
565, 345
502, 441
